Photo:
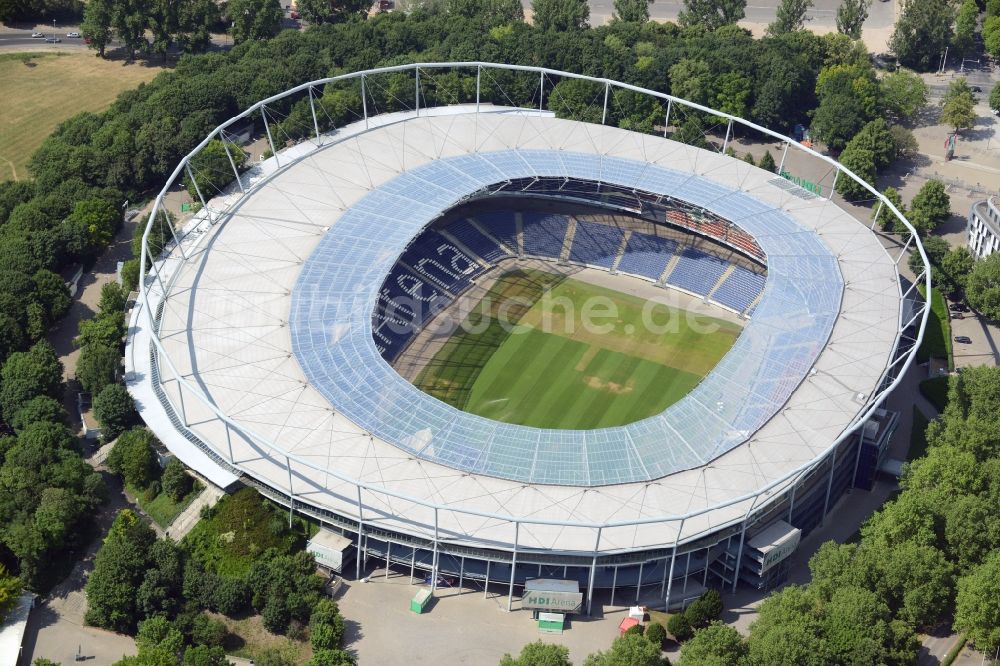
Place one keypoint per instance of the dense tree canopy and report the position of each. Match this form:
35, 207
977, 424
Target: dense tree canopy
539, 654
922, 32
790, 16
983, 287
712, 14
560, 15
851, 16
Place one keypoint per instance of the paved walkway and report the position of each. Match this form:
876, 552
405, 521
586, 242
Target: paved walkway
185, 522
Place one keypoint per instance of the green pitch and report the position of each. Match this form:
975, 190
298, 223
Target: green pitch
550, 371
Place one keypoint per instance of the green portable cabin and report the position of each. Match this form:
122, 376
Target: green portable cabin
551, 623
420, 600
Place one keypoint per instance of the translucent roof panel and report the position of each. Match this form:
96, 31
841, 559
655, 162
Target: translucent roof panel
337, 291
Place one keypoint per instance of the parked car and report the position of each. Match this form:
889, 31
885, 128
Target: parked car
37, 35
294, 15
52, 40
976, 89
963, 339
73, 34
958, 307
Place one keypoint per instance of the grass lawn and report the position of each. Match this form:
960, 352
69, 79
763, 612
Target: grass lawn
552, 371
935, 390
918, 436
43, 89
162, 508
937, 337
248, 638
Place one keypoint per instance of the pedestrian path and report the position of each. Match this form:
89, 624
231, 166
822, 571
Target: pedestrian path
185, 522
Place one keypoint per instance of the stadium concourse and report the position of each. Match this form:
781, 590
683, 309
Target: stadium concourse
268, 365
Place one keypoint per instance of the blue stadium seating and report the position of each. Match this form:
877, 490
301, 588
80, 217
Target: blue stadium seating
438, 259
739, 289
503, 227
544, 234
471, 237
595, 244
418, 286
697, 271
647, 255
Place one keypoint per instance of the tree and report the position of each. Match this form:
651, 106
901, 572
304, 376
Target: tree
903, 94
130, 18
134, 458
10, 590
715, 644
930, 206
627, 650
97, 367
851, 16
560, 15
115, 411
203, 655
632, 11
119, 569
656, 634
848, 98
767, 162
195, 19
680, 627
935, 248
332, 658
922, 33
254, 19
991, 35
101, 218
790, 17
96, 24
539, 654
977, 606
212, 170
175, 481
26, 375
965, 26
955, 267
42, 408
885, 218
995, 97
328, 11
712, 14
862, 162
958, 105
982, 290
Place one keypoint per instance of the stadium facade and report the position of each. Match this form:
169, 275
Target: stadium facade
259, 349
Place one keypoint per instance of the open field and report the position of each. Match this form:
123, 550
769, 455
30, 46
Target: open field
526, 355
42, 89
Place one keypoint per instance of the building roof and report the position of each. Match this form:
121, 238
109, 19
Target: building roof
337, 290
226, 329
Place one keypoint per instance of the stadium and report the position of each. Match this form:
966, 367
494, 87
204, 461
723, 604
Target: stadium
389, 326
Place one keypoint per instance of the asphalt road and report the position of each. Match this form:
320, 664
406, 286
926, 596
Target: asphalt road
19, 39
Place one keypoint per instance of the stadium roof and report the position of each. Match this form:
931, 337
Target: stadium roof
337, 290
226, 328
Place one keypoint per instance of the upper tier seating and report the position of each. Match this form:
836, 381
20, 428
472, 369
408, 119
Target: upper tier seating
484, 246
595, 244
739, 289
502, 226
697, 271
647, 255
544, 234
